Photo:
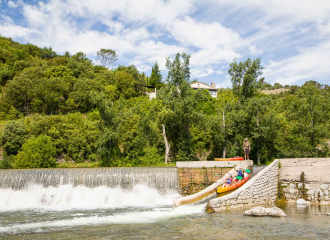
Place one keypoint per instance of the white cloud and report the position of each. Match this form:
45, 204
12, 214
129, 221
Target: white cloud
35, 16
295, 11
136, 31
213, 56
147, 11
201, 72
12, 4
205, 35
224, 83
311, 63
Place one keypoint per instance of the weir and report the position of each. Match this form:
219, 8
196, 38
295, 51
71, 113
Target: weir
160, 178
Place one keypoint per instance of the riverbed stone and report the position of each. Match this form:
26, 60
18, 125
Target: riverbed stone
324, 186
307, 186
292, 191
262, 212
310, 192
302, 202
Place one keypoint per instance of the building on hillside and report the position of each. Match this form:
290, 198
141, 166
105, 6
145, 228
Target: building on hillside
212, 89
151, 92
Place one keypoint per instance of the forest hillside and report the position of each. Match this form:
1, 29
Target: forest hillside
58, 109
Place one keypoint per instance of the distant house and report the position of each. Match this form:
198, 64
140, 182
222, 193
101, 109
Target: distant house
199, 85
151, 92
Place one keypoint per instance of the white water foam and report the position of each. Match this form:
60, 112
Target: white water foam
67, 197
126, 218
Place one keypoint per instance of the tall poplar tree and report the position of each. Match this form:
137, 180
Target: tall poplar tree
244, 77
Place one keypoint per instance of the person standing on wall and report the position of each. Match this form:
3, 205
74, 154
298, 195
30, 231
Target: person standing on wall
246, 148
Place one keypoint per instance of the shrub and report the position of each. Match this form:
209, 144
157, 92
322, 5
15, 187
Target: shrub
151, 156
14, 135
6, 163
37, 153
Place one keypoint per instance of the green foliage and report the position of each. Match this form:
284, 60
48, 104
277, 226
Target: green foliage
13, 136
178, 71
94, 116
156, 78
150, 157
36, 153
107, 56
244, 77
6, 163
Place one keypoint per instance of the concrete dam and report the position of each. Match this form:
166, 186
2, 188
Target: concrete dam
189, 182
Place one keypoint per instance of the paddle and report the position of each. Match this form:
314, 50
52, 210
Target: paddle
247, 170
239, 177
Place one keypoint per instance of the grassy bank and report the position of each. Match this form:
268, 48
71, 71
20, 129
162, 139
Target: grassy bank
94, 165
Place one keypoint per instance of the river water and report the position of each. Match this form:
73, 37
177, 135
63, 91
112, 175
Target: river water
69, 211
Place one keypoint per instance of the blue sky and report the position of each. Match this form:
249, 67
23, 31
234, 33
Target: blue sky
290, 36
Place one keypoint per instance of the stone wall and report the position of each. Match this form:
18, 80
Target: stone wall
313, 185
261, 189
313, 191
193, 180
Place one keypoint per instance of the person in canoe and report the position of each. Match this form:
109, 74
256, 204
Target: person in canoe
229, 181
246, 148
240, 174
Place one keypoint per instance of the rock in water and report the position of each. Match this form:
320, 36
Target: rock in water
302, 202
262, 212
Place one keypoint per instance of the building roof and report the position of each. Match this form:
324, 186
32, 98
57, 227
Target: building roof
201, 86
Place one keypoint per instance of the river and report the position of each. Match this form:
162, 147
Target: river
69, 211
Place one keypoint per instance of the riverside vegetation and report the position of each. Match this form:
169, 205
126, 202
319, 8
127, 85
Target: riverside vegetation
63, 108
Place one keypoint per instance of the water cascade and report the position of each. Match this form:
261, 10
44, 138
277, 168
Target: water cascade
162, 179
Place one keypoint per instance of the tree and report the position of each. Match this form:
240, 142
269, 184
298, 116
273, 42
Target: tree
244, 77
14, 135
178, 113
107, 56
178, 72
48, 53
156, 76
313, 111
80, 57
225, 103
37, 153
81, 94
125, 84
49, 95
277, 85
19, 91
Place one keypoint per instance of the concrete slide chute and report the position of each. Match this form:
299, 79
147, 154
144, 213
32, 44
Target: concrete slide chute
212, 188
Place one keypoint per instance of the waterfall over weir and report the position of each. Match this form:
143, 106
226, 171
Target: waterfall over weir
160, 178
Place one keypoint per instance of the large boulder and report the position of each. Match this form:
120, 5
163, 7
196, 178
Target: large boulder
302, 202
262, 212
